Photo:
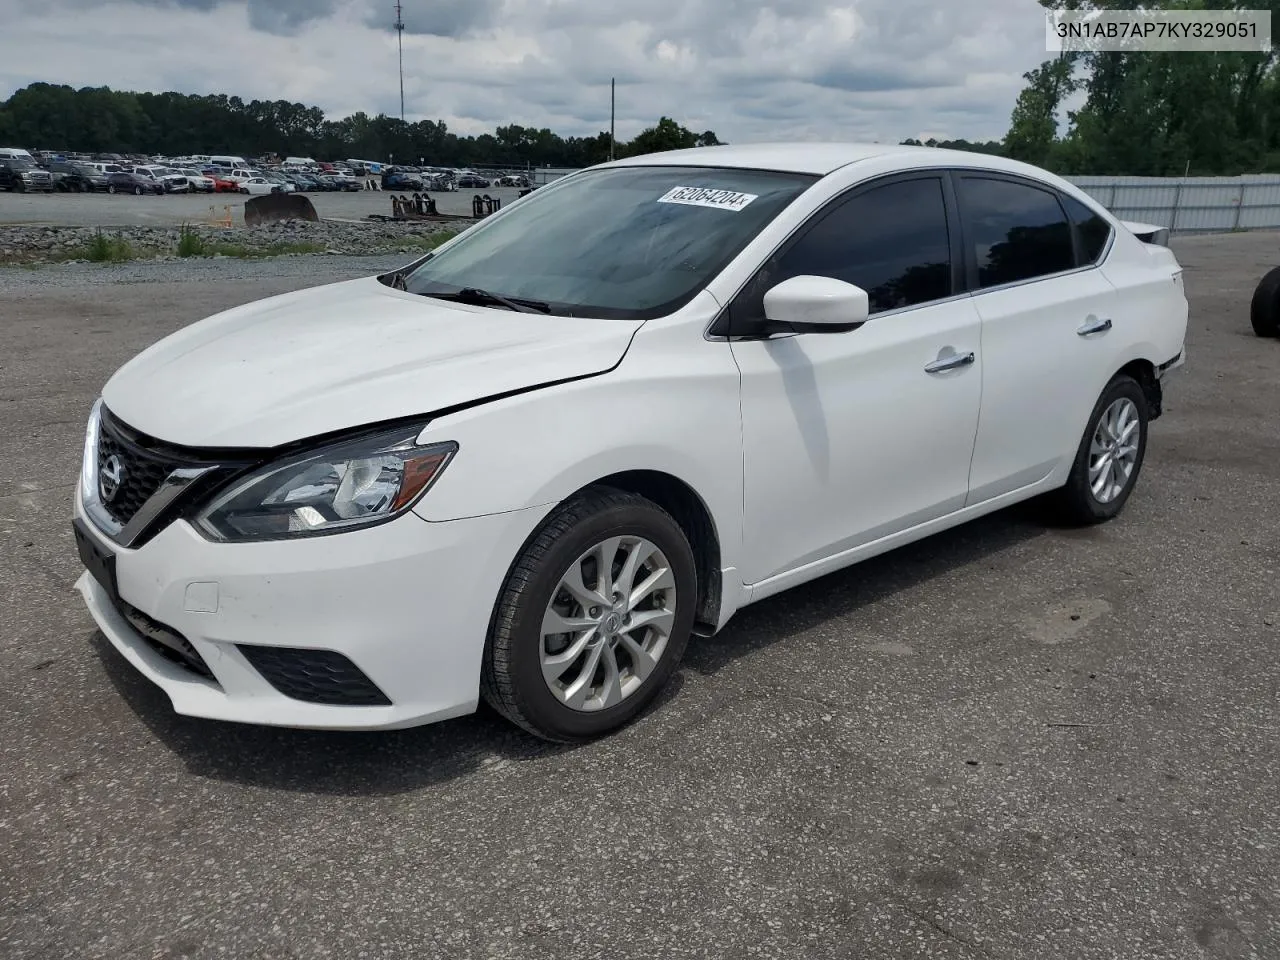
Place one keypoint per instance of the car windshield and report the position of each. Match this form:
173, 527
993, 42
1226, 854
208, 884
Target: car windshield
621, 242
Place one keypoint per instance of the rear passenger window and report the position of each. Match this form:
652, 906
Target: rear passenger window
1014, 231
1092, 232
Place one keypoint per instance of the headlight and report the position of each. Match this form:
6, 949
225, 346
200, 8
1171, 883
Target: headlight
351, 484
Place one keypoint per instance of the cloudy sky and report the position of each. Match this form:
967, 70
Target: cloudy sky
787, 69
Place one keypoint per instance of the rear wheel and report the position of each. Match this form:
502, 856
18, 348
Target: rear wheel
593, 618
137, 191
1110, 455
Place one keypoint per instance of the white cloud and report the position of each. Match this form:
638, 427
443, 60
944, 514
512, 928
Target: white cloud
803, 69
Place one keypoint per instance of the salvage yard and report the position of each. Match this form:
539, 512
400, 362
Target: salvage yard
1008, 741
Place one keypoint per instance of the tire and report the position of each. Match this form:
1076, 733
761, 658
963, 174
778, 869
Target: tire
111, 188
137, 191
511, 679
1264, 310
1076, 501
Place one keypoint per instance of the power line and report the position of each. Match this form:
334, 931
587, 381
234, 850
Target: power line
400, 43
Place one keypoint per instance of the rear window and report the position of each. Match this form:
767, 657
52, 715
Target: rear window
1092, 231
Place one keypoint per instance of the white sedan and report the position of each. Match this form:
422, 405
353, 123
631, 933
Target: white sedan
528, 466
260, 185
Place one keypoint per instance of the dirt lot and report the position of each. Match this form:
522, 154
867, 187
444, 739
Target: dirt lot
1009, 741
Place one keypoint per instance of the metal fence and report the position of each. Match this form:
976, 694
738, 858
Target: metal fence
1189, 205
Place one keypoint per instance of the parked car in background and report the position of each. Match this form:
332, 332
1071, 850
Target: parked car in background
342, 183
259, 186
402, 180
284, 183
23, 176
134, 183
198, 181
170, 180
77, 177
223, 183
307, 182
472, 180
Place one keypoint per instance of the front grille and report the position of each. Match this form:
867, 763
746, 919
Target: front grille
165, 641
142, 472
315, 676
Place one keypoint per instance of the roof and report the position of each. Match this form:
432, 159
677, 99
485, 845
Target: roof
814, 158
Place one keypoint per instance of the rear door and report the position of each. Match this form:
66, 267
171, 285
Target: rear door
1047, 313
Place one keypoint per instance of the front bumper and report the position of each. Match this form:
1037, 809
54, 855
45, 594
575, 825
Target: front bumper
407, 603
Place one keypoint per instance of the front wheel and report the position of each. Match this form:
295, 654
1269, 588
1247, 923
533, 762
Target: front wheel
593, 618
137, 191
1110, 455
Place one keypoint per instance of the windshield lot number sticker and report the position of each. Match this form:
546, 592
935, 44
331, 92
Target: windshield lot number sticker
708, 197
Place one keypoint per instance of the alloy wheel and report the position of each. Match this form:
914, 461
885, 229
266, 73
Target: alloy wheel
608, 623
1113, 451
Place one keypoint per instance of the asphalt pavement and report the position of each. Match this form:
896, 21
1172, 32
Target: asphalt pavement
1008, 741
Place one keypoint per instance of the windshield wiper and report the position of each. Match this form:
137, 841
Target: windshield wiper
482, 297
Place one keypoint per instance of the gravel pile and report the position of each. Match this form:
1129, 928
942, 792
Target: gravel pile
30, 244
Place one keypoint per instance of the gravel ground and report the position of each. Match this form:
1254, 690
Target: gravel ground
1009, 741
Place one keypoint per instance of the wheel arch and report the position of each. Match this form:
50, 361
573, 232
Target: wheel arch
690, 511
1144, 371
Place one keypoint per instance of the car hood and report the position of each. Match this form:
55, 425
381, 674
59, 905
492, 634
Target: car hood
344, 355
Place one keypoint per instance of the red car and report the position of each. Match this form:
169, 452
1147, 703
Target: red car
222, 185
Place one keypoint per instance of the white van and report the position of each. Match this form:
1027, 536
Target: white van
229, 164
299, 164
16, 153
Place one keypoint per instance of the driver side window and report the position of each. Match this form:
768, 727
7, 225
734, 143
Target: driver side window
892, 241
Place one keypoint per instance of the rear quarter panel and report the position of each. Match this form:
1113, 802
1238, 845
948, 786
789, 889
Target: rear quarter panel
1151, 305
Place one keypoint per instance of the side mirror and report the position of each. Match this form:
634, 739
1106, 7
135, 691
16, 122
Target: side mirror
809, 304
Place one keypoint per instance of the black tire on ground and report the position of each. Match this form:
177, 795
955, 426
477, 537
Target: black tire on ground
1075, 503
511, 678
111, 188
1264, 310
137, 191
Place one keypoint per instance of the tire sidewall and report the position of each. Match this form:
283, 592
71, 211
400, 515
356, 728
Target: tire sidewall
1126, 387
535, 699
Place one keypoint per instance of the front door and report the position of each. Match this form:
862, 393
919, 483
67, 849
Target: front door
850, 437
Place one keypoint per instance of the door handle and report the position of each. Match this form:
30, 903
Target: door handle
953, 362
1094, 324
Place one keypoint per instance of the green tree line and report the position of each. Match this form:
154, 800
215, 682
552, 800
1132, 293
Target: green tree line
101, 120
1151, 114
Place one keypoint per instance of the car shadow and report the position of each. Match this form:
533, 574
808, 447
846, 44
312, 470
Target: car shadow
393, 762
837, 594
341, 763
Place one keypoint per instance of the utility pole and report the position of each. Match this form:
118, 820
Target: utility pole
400, 43
613, 111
